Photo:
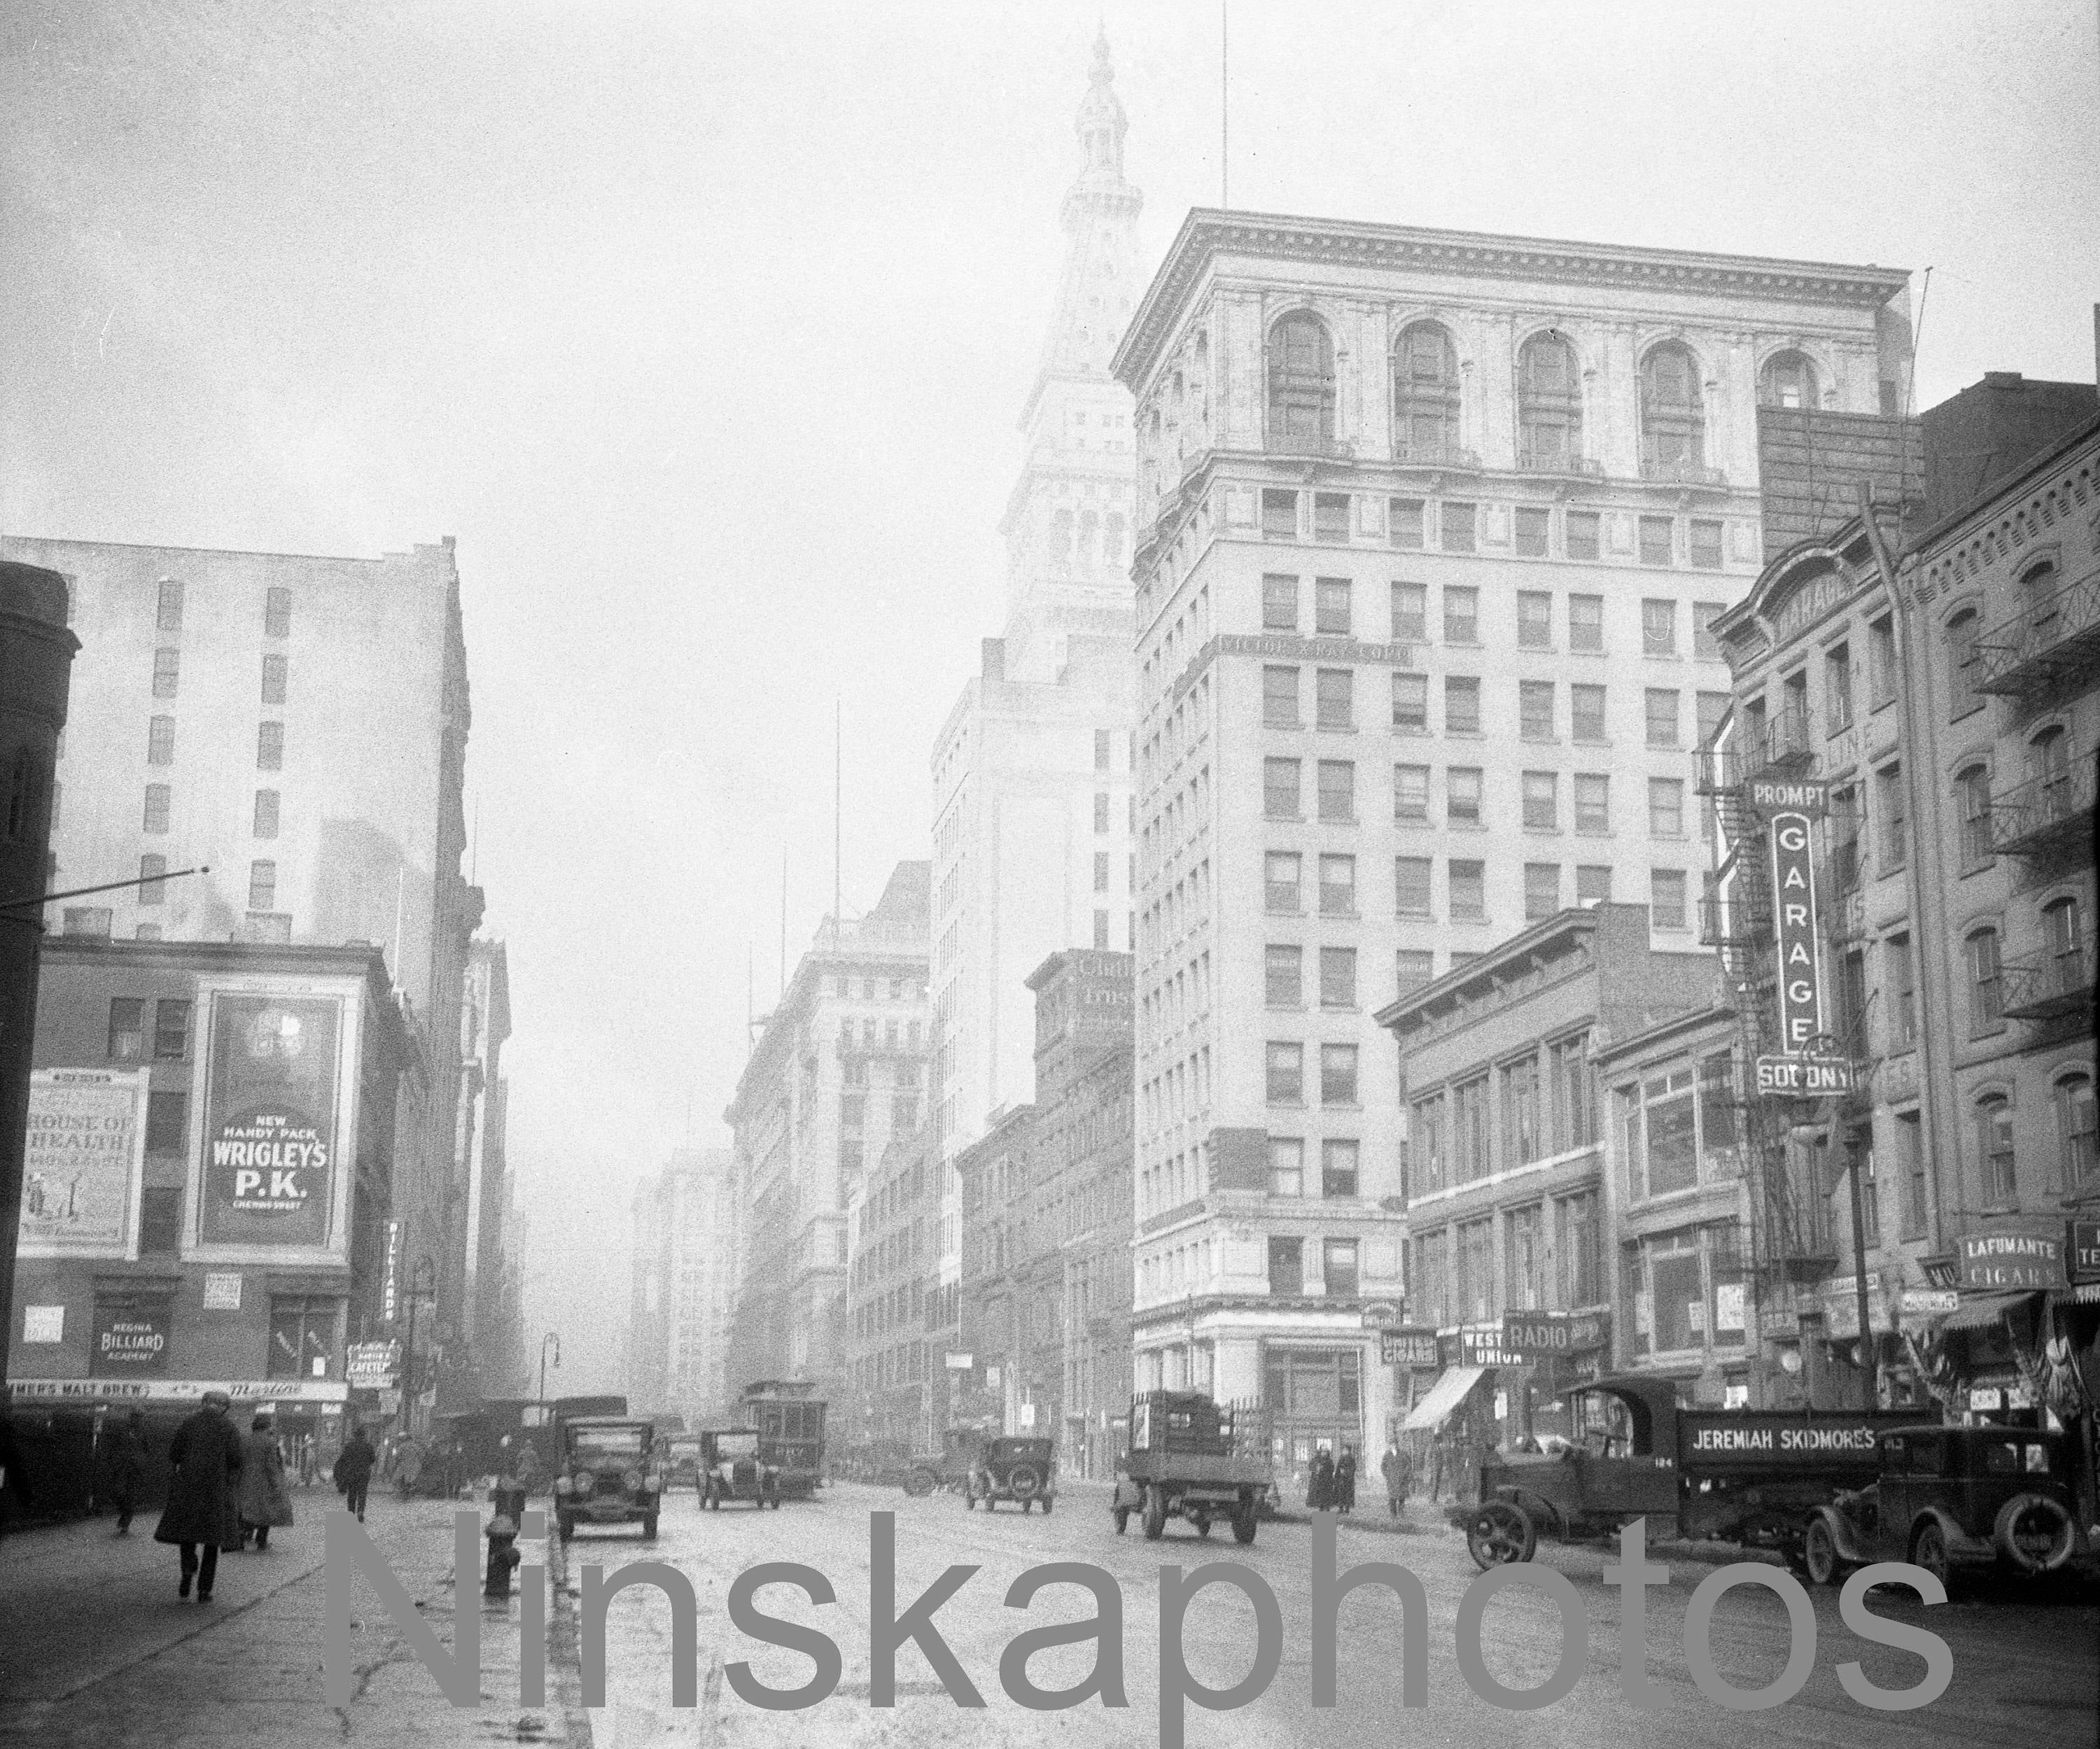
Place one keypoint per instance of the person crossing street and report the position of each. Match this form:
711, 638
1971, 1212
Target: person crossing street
353, 1471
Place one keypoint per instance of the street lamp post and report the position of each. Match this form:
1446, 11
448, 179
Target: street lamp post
550, 1336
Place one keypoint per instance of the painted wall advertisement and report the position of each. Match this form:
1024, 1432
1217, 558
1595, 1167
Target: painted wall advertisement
273, 1121
130, 1340
84, 1163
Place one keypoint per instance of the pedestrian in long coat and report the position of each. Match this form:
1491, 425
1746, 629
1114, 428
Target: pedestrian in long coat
127, 1468
1320, 1497
201, 1513
266, 1502
353, 1471
1397, 1471
1345, 1480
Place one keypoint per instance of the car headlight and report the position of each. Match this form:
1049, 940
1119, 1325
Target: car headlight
652, 1482
584, 1485
562, 1485
631, 1480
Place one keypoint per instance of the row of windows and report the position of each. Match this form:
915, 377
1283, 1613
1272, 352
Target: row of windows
269, 744
1538, 707
1450, 524
1453, 1278
1427, 398
2078, 1141
128, 1039
168, 611
1335, 796
1546, 1109
160, 803
1333, 615
168, 668
1341, 1276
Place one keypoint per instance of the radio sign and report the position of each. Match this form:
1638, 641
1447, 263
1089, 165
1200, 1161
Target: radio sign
1793, 928
1806, 1078
1533, 1333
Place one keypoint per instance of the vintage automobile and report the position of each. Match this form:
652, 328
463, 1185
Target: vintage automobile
610, 1473
1182, 1462
681, 1463
1957, 1501
951, 1467
1750, 1476
1023, 1469
733, 1467
789, 1420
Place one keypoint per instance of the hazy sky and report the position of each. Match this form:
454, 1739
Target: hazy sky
704, 328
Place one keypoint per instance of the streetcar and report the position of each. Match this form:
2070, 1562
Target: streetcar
789, 1416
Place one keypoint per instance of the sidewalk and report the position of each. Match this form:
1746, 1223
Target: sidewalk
96, 1648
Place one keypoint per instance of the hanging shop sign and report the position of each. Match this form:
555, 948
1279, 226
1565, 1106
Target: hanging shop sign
1807, 1076
1480, 1345
83, 1163
2082, 1250
1773, 796
1793, 928
2030, 1261
272, 1123
1411, 1347
1929, 1302
1546, 1333
372, 1366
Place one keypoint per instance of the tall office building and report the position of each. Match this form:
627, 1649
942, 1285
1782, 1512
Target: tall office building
1032, 804
1430, 530
839, 1073
680, 1296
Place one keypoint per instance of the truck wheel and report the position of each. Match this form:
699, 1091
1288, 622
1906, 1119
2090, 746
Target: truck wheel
1121, 1519
1155, 1514
1245, 1519
649, 1528
1046, 1505
918, 1484
1819, 1554
1499, 1534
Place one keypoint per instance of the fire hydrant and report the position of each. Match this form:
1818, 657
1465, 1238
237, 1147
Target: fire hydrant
507, 1497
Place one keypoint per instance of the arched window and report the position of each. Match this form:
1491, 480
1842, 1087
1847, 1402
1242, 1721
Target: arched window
1549, 404
1425, 394
1673, 422
1788, 380
1962, 672
1987, 983
2048, 770
2075, 1129
1994, 1149
1301, 384
2063, 927
1972, 794
2043, 604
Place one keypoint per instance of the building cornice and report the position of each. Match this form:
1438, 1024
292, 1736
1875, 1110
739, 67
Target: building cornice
1207, 233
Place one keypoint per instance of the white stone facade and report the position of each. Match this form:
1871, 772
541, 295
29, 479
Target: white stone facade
1361, 567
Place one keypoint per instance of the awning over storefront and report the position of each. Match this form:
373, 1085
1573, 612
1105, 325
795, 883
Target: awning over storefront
1445, 1395
1980, 1312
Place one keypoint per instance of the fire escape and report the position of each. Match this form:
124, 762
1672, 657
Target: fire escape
1790, 1241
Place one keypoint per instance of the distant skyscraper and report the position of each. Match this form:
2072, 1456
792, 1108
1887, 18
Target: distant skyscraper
1031, 772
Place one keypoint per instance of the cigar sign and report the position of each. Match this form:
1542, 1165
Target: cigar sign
271, 1122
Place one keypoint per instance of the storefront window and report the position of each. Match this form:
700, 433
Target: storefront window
302, 1337
1679, 1299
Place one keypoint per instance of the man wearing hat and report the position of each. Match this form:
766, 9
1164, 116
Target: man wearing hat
205, 1458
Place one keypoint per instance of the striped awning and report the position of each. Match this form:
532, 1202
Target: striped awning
1445, 1395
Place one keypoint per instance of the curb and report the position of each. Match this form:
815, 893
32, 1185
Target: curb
564, 1647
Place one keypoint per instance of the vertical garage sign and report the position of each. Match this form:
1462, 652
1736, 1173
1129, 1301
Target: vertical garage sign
1794, 932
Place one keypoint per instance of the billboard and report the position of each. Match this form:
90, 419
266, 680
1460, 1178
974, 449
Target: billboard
270, 1171
84, 1163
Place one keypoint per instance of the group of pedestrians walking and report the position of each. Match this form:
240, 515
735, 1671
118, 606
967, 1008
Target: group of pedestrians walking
225, 1488
1333, 1486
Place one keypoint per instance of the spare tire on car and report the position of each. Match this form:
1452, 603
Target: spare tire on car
2035, 1533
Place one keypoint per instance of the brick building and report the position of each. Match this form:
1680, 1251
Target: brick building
236, 1234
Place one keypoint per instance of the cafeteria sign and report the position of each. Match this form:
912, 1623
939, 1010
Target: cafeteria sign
269, 1166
